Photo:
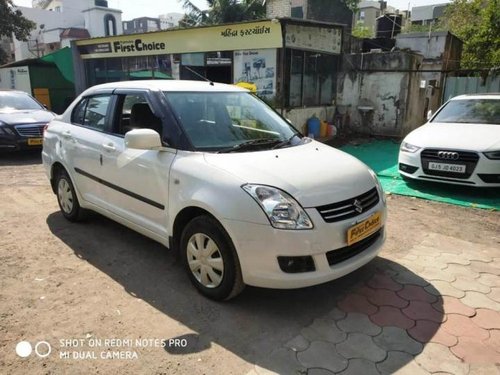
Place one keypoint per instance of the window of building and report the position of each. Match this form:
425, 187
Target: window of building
362, 15
109, 25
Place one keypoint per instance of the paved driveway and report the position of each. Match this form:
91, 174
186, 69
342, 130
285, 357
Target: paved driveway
428, 304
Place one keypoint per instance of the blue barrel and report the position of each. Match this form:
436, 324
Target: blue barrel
314, 126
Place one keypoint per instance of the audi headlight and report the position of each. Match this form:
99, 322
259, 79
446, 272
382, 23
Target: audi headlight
407, 147
281, 209
493, 155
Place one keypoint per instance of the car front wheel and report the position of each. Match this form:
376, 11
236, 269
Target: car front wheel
210, 259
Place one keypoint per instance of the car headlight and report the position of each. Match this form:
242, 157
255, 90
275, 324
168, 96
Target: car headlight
4, 129
493, 155
378, 185
407, 147
281, 209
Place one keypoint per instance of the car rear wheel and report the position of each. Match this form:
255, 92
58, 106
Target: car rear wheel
66, 197
210, 259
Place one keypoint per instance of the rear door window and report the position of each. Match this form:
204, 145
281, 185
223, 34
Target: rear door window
93, 112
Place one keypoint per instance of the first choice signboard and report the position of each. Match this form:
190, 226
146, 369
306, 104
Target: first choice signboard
263, 34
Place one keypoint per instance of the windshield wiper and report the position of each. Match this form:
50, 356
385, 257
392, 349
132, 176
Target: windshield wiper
250, 144
284, 143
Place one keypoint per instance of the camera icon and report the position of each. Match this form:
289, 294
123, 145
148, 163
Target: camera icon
42, 349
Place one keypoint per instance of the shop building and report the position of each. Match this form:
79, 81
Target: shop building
293, 63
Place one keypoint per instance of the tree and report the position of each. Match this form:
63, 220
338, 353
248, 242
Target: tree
361, 31
4, 57
13, 21
477, 24
223, 11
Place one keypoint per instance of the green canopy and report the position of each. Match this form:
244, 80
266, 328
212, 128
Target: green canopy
63, 59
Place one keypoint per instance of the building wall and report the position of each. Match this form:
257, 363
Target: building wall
170, 20
382, 96
94, 21
334, 11
368, 17
54, 22
278, 8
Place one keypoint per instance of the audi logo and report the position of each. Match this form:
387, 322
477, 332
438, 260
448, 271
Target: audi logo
448, 155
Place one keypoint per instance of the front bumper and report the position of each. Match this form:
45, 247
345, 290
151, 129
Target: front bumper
484, 173
17, 144
259, 246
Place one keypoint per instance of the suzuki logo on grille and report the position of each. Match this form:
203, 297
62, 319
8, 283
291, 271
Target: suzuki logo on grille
357, 206
448, 155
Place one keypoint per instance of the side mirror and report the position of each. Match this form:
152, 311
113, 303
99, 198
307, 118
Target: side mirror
429, 114
143, 139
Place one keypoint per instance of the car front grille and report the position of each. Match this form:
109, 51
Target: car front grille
467, 158
349, 208
344, 253
30, 130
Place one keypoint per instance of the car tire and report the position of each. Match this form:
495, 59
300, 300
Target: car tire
66, 197
210, 259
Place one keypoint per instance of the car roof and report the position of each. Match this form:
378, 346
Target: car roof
170, 85
485, 95
9, 91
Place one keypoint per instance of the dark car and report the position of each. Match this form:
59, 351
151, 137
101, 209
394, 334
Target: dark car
22, 119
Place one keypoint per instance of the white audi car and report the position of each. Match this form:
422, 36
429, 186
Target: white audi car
212, 172
460, 144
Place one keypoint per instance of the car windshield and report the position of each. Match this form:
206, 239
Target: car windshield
230, 122
14, 101
470, 111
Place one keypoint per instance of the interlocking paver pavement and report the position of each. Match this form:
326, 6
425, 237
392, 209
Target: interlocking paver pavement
438, 358
360, 366
323, 355
475, 351
452, 305
393, 338
394, 361
358, 345
358, 323
488, 319
444, 319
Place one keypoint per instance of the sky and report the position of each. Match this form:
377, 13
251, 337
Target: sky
153, 8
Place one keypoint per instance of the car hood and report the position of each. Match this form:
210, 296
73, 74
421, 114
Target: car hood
26, 117
313, 173
478, 137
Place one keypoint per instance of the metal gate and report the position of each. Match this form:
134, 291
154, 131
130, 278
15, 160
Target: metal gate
470, 85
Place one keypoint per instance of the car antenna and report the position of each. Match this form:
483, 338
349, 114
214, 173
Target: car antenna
199, 75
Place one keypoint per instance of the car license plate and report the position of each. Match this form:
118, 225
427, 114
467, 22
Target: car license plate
364, 229
35, 141
443, 167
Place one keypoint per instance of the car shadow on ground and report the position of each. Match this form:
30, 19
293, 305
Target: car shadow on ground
469, 193
258, 324
28, 157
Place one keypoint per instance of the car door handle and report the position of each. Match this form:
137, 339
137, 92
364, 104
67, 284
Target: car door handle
110, 147
67, 134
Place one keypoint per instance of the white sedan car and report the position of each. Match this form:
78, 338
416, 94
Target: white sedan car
212, 172
460, 144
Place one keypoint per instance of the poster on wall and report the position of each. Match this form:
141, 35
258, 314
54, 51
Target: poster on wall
17, 78
258, 67
308, 38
